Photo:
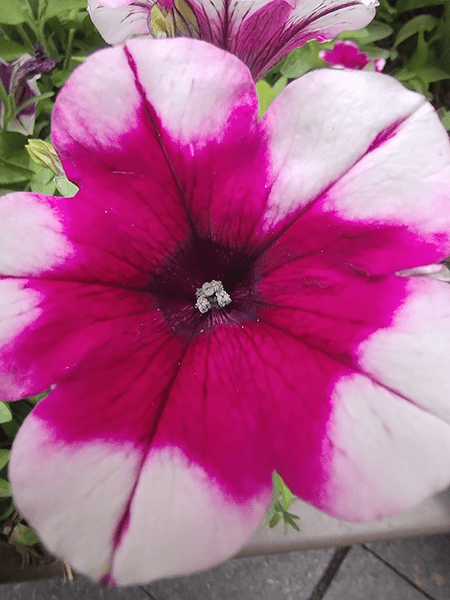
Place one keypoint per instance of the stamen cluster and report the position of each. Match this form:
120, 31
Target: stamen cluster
211, 295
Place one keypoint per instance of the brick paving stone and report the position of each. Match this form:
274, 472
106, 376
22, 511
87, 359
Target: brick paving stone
364, 577
290, 576
78, 589
424, 560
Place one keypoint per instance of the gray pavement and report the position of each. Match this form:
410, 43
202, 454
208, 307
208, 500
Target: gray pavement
405, 569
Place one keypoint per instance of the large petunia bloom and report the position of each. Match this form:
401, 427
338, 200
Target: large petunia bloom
259, 32
153, 454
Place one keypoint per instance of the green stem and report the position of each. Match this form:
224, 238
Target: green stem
4, 102
33, 7
70, 39
23, 35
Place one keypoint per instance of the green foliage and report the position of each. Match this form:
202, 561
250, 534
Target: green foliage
23, 535
5, 413
268, 93
279, 508
68, 35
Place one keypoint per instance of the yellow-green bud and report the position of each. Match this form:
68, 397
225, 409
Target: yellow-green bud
44, 155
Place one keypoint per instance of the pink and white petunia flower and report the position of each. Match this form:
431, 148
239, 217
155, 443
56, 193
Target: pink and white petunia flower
347, 55
259, 32
224, 298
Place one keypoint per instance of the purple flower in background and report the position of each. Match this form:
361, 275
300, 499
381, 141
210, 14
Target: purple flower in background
224, 298
346, 55
259, 32
19, 79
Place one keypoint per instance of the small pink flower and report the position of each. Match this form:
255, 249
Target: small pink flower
259, 32
221, 300
346, 55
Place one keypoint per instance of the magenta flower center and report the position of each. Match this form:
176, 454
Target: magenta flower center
193, 273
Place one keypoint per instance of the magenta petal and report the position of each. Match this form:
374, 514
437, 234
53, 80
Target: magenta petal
68, 322
176, 444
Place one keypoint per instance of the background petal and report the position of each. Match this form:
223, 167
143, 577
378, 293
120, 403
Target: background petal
117, 21
263, 32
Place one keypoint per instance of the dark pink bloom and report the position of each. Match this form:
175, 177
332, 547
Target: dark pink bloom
259, 32
153, 454
346, 55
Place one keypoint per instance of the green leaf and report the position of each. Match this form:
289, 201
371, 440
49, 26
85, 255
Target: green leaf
10, 143
386, 12
285, 492
301, 60
5, 488
432, 74
11, 427
9, 173
276, 518
10, 50
7, 511
289, 521
56, 7
42, 180
22, 534
4, 457
418, 24
264, 91
5, 413
65, 187
12, 12
445, 116
404, 5
38, 397
372, 33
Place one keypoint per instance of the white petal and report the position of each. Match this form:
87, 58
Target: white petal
412, 356
322, 125
386, 454
32, 239
191, 522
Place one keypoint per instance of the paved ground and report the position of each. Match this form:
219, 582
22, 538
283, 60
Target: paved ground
408, 569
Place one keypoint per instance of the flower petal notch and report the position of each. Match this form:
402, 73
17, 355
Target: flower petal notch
153, 455
259, 32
